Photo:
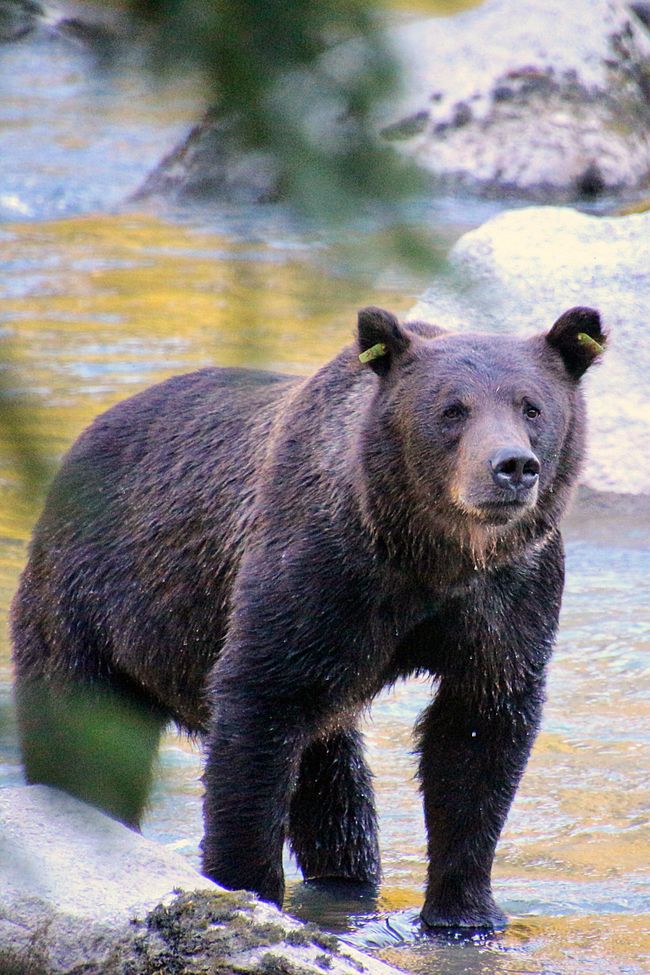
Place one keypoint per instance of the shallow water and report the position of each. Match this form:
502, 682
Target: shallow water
98, 302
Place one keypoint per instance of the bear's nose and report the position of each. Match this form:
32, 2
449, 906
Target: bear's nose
514, 468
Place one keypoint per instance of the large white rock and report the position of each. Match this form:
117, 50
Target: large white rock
82, 893
547, 97
520, 270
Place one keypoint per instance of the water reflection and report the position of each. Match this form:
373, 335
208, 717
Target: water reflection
550, 946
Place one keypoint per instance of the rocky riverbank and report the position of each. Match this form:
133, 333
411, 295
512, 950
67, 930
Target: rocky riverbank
83, 894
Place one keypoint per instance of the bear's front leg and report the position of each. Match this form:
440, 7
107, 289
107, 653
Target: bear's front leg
473, 754
295, 668
254, 751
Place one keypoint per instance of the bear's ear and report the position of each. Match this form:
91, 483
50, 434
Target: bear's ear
381, 339
579, 338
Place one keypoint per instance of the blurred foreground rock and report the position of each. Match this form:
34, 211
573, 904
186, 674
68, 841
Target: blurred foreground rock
522, 269
80, 893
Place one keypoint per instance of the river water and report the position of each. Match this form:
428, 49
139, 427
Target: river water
99, 300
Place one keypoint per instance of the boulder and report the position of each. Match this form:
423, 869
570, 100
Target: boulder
642, 11
549, 100
19, 18
211, 164
522, 269
81, 893
99, 28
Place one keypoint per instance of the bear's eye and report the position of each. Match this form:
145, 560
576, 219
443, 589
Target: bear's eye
454, 411
530, 411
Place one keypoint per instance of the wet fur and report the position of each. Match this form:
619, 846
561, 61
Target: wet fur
256, 556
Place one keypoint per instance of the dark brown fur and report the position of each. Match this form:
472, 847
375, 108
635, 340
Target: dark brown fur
257, 556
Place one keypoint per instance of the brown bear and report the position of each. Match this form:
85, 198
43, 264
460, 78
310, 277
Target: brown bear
256, 556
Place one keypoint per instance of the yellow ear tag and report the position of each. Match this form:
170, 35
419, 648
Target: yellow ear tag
374, 352
591, 344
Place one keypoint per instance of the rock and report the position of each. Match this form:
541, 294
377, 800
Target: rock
210, 164
551, 102
82, 893
521, 269
642, 11
19, 18
99, 28
551, 105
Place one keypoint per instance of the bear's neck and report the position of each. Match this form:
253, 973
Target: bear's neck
448, 555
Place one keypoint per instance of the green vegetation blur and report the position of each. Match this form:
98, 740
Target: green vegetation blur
266, 68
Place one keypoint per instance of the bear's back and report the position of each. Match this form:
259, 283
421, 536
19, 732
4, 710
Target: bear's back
143, 527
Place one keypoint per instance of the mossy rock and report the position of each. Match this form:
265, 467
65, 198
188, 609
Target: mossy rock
228, 933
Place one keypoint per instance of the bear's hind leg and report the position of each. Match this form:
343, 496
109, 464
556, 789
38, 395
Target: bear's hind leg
94, 741
332, 819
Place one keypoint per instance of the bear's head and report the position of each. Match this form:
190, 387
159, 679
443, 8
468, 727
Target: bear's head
473, 437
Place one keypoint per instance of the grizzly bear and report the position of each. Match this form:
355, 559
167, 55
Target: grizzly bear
256, 556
